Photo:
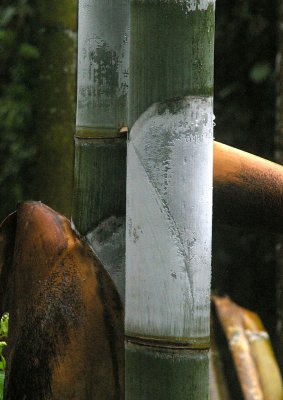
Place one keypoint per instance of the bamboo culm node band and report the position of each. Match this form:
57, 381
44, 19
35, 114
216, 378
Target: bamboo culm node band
100, 133
153, 373
169, 343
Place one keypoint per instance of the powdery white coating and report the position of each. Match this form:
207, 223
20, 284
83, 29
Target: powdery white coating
169, 219
103, 52
193, 5
189, 5
108, 242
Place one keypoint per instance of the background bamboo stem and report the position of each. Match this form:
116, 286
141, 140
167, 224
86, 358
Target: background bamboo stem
253, 356
55, 104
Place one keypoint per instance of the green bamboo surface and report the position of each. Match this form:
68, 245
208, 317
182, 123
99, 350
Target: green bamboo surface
153, 373
157, 73
100, 181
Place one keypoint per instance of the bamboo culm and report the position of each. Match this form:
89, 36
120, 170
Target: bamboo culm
169, 199
55, 104
100, 142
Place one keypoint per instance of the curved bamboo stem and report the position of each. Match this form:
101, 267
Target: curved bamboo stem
248, 190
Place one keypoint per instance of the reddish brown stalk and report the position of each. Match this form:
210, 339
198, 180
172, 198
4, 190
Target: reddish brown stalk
248, 190
251, 350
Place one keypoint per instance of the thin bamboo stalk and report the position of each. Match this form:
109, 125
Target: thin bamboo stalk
100, 141
248, 190
230, 319
263, 355
254, 359
168, 235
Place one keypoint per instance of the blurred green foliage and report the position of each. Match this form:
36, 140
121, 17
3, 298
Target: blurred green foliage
17, 70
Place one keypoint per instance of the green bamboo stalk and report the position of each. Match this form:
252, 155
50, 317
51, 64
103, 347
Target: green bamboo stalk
55, 104
99, 195
169, 199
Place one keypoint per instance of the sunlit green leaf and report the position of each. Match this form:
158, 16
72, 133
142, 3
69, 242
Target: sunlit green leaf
260, 72
4, 322
28, 51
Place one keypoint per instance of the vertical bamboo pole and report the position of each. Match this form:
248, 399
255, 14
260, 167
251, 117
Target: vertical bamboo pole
55, 104
100, 140
169, 199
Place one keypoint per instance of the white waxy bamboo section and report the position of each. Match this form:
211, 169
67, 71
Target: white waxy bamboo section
169, 217
102, 64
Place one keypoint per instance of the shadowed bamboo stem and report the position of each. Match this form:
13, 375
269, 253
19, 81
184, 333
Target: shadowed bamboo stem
217, 380
55, 104
248, 190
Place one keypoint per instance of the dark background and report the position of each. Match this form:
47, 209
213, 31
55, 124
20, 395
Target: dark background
245, 52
